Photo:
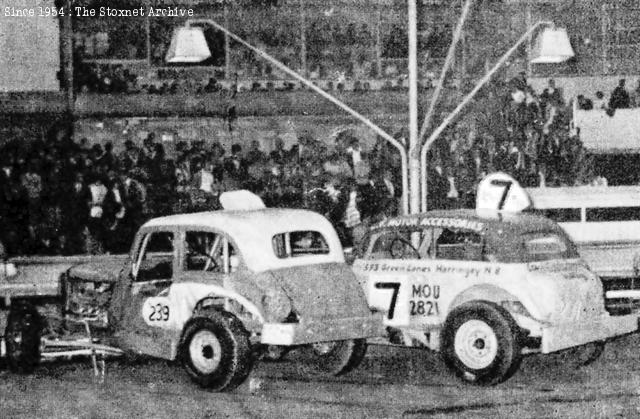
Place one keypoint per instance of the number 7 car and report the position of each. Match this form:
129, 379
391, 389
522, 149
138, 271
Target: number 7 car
484, 287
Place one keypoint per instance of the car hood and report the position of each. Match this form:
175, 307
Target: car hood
323, 291
103, 271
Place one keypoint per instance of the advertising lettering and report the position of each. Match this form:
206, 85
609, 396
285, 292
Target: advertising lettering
460, 223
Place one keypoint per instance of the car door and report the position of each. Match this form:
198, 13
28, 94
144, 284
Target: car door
402, 278
147, 310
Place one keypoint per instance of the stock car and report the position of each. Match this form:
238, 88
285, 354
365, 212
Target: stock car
484, 287
210, 289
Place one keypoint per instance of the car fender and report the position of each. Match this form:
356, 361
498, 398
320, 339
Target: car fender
486, 292
185, 299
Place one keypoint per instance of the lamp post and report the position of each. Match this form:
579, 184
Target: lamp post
188, 45
414, 149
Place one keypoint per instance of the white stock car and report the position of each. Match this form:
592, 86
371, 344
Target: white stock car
484, 288
208, 289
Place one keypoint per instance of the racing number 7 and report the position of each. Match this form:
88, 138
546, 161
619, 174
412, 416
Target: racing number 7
395, 286
506, 184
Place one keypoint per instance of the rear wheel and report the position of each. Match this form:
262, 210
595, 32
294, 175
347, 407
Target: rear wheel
336, 357
480, 343
22, 338
216, 352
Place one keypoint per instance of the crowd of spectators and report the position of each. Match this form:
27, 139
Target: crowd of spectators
511, 128
620, 98
61, 197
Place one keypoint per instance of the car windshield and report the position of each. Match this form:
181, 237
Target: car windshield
543, 246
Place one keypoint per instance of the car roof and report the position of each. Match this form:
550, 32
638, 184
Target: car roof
252, 232
503, 231
241, 220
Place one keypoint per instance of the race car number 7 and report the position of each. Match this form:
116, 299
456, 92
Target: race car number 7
395, 286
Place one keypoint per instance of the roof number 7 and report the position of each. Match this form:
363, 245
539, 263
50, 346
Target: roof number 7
506, 184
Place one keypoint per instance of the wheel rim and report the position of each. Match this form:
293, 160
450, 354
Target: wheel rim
205, 351
476, 344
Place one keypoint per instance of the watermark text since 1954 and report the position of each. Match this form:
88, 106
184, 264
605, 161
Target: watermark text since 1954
46, 8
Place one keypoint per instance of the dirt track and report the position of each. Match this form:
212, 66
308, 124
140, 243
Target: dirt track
393, 382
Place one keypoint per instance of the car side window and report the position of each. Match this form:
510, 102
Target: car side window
459, 244
400, 245
299, 243
209, 252
155, 261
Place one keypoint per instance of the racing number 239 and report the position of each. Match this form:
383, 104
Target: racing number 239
159, 313
395, 286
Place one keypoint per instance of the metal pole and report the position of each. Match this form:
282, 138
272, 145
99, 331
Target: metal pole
434, 135
329, 97
378, 47
303, 40
68, 64
227, 44
443, 73
528, 24
414, 162
605, 38
147, 28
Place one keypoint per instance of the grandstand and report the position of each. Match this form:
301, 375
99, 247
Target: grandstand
355, 48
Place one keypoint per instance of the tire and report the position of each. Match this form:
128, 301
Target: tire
215, 351
334, 358
480, 343
22, 339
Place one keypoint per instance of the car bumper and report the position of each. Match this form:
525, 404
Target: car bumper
288, 334
567, 335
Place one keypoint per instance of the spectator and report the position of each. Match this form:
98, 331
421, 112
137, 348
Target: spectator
386, 192
599, 102
212, 86
32, 184
584, 104
279, 154
96, 224
619, 97
635, 96
107, 158
235, 165
75, 216
254, 154
551, 95
130, 156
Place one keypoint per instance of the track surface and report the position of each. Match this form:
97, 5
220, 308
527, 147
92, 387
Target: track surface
392, 382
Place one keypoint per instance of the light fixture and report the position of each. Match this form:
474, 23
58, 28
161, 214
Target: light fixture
552, 46
188, 45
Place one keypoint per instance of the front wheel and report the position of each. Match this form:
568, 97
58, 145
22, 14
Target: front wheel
22, 338
216, 352
480, 343
336, 357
